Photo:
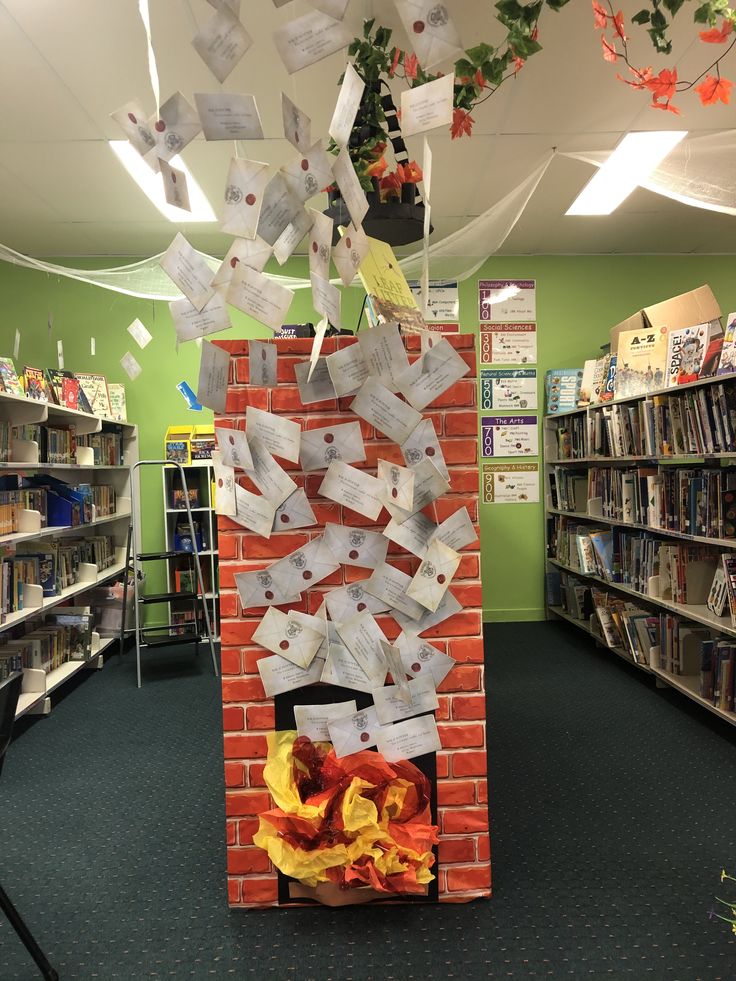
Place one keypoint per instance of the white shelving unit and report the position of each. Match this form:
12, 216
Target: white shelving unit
18, 411
199, 474
688, 686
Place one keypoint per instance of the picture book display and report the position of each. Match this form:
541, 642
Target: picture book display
36, 385
562, 389
641, 360
9, 380
94, 388
693, 353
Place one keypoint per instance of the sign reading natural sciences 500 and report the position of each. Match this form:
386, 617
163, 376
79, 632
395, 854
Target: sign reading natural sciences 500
508, 388
510, 483
510, 436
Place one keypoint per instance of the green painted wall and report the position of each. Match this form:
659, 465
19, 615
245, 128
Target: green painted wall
579, 299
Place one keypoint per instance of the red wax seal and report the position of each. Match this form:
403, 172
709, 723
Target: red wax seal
361, 607
441, 579
173, 178
307, 575
418, 26
219, 482
364, 737
416, 667
268, 594
263, 355
160, 126
394, 492
132, 118
234, 261
285, 518
305, 165
315, 247
250, 199
430, 451
329, 438
284, 645
354, 554
348, 242
232, 440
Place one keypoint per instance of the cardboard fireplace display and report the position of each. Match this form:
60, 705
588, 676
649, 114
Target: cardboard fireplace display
352, 649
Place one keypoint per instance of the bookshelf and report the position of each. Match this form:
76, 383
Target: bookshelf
31, 533
647, 474
200, 477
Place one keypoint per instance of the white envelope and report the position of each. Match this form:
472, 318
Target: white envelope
409, 739
244, 194
415, 628
310, 38
348, 101
326, 300
191, 323
353, 488
320, 244
354, 733
398, 675
382, 409
297, 125
270, 479
427, 106
390, 707
140, 333
423, 444
234, 448
430, 29
228, 116
457, 531
221, 42
363, 638
175, 186
398, 484
262, 363
259, 296
130, 365
258, 589
304, 568
253, 252
291, 236
253, 512
280, 436
174, 128
343, 670
345, 602
429, 484
434, 575
213, 371
356, 546
187, 269
350, 190
132, 119
390, 584
414, 534
295, 512
319, 387
284, 634
280, 208
312, 720
384, 353
431, 375
422, 660
224, 486
349, 253
347, 369
309, 173
319, 447
319, 335
279, 675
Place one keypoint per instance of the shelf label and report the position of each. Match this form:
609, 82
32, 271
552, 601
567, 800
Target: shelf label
508, 388
508, 343
507, 301
510, 483
510, 436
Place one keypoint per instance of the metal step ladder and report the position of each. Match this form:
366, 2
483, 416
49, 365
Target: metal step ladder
160, 635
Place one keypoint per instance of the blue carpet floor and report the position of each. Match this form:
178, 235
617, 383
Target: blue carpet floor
613, 809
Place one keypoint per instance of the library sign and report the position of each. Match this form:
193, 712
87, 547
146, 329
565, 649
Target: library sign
510, 483
508, 388
510, 436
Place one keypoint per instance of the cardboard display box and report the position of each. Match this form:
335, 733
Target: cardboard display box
699, 306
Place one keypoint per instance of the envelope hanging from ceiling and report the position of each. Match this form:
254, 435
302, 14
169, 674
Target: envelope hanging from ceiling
431, 32
244, 190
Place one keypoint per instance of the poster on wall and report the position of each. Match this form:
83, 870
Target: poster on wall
507, 301
510, 436
508, 388
510, 483
508, 343
443, 303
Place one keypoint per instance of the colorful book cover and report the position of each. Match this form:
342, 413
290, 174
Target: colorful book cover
693, 353
727, 365
389, 294
117, 402
9, 381
95, 389
70, 393
599, 378
562, 387
609, 390
36, 385
641, 360
586, 385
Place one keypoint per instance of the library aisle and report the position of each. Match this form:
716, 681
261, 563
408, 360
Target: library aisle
612, 806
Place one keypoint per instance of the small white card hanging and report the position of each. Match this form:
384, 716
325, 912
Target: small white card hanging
60, 354
130, 366
92, 346
16, 345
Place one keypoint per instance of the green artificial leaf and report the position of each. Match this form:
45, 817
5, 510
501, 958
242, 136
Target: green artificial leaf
556, 4
368, 26
530, 13
658, 20
673, 5
641, 18
354, 45
479, 54
509, 11
464, 67
383, 36
702, 14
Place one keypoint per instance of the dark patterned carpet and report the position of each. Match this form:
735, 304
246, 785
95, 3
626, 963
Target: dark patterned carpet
613, 809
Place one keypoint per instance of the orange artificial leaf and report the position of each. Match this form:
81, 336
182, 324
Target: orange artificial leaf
667, 106
395, 62
618, 24
664, 85
412, 173
462, 124
716, 36
518, 64
609, 52
411, 66
377, 168
713, 88
600, 17
641, 75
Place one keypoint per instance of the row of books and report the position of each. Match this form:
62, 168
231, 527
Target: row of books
58, 503
5, 432
12, 502
66, 635
85, 391
107, 446
55, 444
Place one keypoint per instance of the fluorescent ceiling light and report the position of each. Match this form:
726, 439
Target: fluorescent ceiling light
631, 162
151, 184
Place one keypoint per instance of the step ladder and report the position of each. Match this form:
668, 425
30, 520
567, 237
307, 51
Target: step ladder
151, 637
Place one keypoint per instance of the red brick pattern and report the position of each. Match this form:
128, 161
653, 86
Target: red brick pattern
464, 868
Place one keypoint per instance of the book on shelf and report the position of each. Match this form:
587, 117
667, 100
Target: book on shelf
600, 375
609, 389
587, 383
9, 380
36, 385
94, 388
641, 360
729, 569
118, 411
717, 601
562, 389
727, 364
693, 353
